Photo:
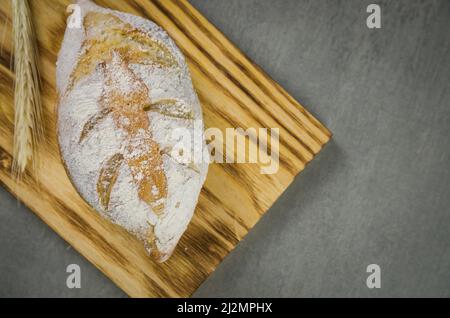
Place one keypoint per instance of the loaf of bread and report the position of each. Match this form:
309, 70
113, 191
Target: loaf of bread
124, 88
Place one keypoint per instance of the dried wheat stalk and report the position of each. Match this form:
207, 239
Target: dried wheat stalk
28, 128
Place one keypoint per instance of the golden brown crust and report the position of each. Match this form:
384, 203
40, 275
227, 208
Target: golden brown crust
169, 107
142, 152
107, 178
106, 32
92, 122
151, 241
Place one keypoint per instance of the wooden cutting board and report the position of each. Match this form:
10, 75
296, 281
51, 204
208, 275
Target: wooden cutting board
233, 91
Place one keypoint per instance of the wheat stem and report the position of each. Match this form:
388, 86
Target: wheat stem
28, 129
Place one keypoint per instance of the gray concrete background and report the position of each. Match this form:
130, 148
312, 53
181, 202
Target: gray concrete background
378, 193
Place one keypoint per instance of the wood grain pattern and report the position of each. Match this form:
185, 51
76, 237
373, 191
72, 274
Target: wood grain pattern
233, 92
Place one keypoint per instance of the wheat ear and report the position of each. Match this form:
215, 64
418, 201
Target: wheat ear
28, 130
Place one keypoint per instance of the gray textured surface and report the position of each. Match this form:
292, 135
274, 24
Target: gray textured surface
379, 193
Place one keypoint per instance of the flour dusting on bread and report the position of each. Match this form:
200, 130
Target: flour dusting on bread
123, 88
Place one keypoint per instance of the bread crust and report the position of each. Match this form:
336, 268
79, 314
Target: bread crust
122, 80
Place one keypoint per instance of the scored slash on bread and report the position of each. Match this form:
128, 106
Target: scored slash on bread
130, 72
104, 31
127, 109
